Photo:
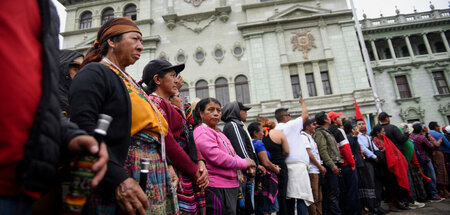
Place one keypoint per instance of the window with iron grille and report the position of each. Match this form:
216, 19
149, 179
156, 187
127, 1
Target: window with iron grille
107, 15
184, 91
403, 86
296, 91
222, 93
326, 83
441, 82
242, 92
201, 89
86, 20
130, 11
311, 84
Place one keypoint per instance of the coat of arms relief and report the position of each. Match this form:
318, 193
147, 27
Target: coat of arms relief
303, 40
196, 3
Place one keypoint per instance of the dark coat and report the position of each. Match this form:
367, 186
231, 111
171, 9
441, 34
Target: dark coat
65, 58
396, 136
235, 131
95, 90
356, 150
51, 132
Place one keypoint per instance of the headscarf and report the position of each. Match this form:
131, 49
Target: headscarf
110, 29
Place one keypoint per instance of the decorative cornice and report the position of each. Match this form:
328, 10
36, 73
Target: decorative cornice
257, 24
268, 3
197, 22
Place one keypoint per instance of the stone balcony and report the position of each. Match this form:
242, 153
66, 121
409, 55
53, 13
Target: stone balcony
405, 19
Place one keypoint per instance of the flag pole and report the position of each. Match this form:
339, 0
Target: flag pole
366, 59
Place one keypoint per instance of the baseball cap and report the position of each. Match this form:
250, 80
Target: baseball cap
333, 115
383, 115
242, 107
155, 66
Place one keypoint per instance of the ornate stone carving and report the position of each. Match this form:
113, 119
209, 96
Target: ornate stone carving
303, 40
198, 25
196, 3
238, 50
218, 53
199, 55
444, 109
412, 113
197, 22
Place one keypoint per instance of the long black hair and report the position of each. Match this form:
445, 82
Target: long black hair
254, 127
200, 107
375, 130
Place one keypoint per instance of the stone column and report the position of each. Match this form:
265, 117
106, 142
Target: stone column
232, 89
324, 37
444, 40
302, 80
427, 44
374, 50
408, 45
317, 78
281, 44
333, 77
287, 82
211, 89
391, 48
192, 94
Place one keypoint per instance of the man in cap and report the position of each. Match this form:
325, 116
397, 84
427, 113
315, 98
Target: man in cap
234, 114
393, 132
329, 153
298, 187
349, 175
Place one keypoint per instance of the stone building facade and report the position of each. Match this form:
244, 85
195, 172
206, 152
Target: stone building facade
263, 53
410, 56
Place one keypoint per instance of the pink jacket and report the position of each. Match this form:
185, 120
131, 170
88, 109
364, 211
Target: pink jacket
222, 167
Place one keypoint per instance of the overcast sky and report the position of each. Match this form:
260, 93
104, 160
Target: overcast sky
372, 8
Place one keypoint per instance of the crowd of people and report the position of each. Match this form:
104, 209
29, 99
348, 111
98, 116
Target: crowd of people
307, 165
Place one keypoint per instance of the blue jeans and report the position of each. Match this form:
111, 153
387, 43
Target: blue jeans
428, 170
15, 205
349, 191
301, 207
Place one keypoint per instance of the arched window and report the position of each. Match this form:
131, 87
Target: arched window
201, 89
184, 91
241, 85
130, 11
222, 93
107, 15
85, 20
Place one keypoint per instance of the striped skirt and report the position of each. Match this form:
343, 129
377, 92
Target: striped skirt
440, 168
191, 199
160, 191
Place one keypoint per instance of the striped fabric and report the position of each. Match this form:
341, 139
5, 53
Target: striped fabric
160, 191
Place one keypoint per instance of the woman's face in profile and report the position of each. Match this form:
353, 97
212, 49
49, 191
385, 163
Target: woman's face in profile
211, 115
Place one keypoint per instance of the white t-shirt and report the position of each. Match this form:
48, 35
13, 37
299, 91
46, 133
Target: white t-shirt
297, 147
311, 144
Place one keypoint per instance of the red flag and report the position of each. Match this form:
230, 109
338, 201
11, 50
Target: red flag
358, 112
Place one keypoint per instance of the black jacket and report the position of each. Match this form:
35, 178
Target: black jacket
65, 58
51, 132
356, 150
97, 89
235, 131
396, 136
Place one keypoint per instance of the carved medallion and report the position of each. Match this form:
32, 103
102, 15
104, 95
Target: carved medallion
303, 41
196, 3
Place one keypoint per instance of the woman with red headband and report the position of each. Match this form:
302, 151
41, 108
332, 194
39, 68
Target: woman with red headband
136, 132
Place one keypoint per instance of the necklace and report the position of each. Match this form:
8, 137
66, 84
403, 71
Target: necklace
137, 87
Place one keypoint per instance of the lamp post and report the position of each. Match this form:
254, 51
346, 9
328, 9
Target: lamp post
366, 59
